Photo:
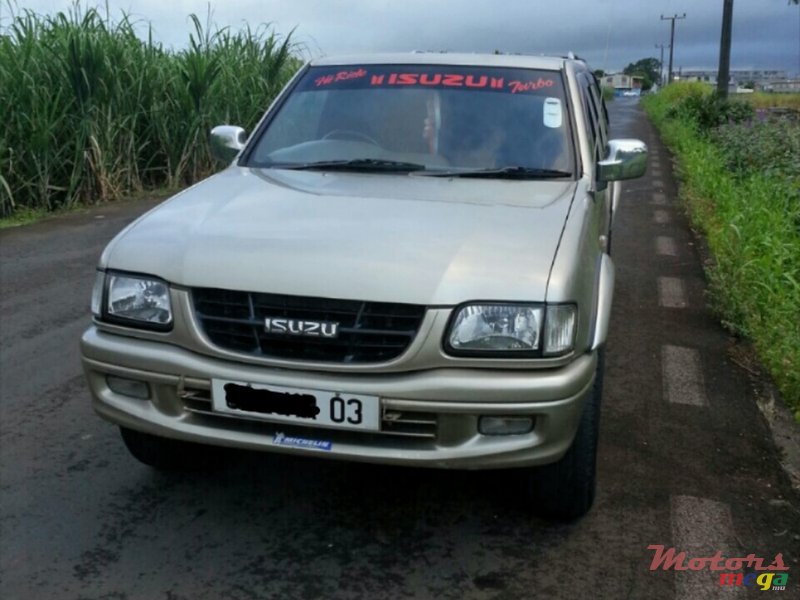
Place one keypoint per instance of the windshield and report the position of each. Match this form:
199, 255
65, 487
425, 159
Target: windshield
422, 119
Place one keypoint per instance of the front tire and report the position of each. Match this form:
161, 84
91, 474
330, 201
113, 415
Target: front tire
167, 454
565, 490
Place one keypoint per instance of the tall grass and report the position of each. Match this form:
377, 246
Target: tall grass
741, 188
773, 100
91, 112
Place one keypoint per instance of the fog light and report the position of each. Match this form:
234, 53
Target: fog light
505, 425
128, 387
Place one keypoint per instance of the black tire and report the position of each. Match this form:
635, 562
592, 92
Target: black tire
167, 454
565, 490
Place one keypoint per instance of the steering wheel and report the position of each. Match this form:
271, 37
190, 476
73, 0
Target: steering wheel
349, 134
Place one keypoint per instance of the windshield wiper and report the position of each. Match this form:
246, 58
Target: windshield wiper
357, 164
510, 172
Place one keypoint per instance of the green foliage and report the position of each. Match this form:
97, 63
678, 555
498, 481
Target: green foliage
697, 103
740, 185
92, 112
608, 93
710, 111
773, 100
22, 216
647, 68
770, 146
676, 92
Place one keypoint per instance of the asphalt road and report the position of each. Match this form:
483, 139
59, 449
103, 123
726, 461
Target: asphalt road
686, 460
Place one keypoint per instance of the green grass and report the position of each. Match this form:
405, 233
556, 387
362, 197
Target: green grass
750, 216
27, 216
91, 112
23, 216
770, 100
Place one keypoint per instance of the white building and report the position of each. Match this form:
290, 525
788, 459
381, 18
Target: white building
622, 83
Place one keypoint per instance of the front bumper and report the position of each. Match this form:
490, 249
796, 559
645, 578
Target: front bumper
450, 400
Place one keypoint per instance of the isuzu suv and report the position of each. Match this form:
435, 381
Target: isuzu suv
406, 262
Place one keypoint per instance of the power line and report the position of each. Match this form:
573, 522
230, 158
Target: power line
671, 40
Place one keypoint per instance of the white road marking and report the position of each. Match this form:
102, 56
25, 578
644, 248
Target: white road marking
657, 183
666, 246
659, 198
682, 376
671, 292
661, 217
701, 528
655, 171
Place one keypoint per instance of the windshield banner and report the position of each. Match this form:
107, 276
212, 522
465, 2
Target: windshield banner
511, 81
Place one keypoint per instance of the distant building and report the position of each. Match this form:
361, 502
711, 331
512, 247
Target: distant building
785, 86
760, 79
623, 83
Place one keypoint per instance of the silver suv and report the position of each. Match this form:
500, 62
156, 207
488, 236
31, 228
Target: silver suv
405, 263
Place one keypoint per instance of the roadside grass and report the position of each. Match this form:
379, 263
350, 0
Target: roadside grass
23, 216
28, 216
92, 113
750, 216
772, 100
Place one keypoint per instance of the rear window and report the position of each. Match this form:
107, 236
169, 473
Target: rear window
443, 117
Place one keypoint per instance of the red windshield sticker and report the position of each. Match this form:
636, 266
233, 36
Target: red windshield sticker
340, 76
517, 87
439, 80
475, 81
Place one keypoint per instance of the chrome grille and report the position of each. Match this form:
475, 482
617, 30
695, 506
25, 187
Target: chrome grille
369, 332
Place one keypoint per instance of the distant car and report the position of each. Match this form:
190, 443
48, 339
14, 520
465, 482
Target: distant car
406, 263
630, 93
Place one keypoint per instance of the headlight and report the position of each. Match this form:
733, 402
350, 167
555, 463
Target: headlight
512, 330
497, 328
137, 300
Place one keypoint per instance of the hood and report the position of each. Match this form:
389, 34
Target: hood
377, 237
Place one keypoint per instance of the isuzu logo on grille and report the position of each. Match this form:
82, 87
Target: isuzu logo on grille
324, 329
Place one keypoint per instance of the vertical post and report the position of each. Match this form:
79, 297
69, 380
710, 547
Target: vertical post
671, 40
661, 65
724, 72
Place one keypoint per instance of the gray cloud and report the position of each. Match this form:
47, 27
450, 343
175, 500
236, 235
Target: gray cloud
608, 33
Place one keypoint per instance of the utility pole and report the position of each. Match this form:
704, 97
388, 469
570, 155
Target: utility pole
661, 64
724, 72
671, 40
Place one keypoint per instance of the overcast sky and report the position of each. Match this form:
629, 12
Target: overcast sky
608, 33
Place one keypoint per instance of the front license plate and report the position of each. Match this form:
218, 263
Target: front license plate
316, 408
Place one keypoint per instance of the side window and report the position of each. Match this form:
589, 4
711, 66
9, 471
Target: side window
602, 115
592, 119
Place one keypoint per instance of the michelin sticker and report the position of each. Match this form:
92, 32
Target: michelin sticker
552, 113
281, 439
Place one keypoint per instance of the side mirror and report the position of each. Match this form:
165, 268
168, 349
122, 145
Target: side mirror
226, 142
627, 159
